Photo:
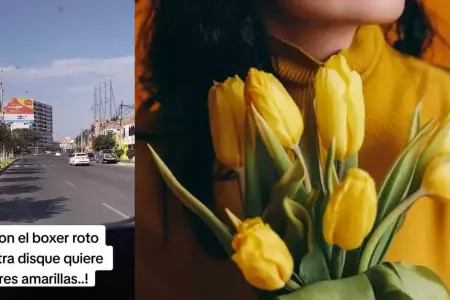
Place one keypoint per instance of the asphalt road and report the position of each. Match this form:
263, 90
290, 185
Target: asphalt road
46, 190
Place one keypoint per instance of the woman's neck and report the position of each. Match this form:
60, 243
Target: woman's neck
319, 40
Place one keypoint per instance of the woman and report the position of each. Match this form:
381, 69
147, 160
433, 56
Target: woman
194, 42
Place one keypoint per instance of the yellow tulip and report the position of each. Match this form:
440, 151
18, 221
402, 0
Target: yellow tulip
438, 144
275, 105
436, 179
227, 119
351, 211
339, 106
261, 255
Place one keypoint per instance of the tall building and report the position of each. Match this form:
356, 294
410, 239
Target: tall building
43, 124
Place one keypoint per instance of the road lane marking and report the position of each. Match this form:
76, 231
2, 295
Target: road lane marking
45, 166
53, 173
116, 210
52, 166
69, 183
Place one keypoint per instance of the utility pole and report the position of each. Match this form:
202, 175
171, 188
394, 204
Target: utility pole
106, 103
95, 104
121, 113
81, 141
2, 113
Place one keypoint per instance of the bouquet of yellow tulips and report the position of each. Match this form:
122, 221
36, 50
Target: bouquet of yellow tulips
315, 225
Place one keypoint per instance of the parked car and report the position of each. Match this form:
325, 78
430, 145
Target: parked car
57, 154
79, 159
91, 155
107, 156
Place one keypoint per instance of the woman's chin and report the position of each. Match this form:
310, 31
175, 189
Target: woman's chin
345, 11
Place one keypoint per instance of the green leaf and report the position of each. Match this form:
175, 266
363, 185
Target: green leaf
405, 281
318, 211
432, 150
396, 184
260, 175
296, 236
222, 231
351, 162
386, 240
396, 187
352, 288
310, 200
337, 262
435, 146
316, 171
331, 178
373, 240
389, 281
290, 183
252, 200
415, 124
273, 145
383, 245
313, 266
317, 180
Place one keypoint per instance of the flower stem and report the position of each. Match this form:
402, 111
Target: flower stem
292, 285
337, 261
241, 180
380, 230
300, 156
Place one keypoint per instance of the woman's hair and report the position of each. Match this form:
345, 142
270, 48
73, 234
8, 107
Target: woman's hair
198, 41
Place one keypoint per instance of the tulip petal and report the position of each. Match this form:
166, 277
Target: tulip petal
331, 111
436, 178
275, 105
355, 114
351, 211
289, 112
262, 256
227, 117
339, 64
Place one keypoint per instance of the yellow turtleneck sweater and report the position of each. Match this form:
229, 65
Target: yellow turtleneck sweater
393, 85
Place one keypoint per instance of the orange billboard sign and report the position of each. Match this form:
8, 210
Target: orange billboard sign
19, 110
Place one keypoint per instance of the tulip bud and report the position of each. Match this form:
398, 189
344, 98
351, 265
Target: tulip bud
339, 106
351, 211
261, 254
438, 145
227, 119
275, 105
436, 179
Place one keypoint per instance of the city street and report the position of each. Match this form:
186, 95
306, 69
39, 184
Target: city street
46, 190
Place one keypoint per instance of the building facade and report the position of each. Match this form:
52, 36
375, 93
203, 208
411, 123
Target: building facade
128, 135
66, 144
43, 124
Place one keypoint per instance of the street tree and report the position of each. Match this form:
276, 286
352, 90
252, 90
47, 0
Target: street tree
106, 141
83, 138
5, 141
24, 137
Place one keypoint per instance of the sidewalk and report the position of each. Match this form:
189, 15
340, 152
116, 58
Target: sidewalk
127, 163
9, 162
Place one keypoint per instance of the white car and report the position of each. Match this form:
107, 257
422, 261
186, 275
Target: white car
79, 159
57, 154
